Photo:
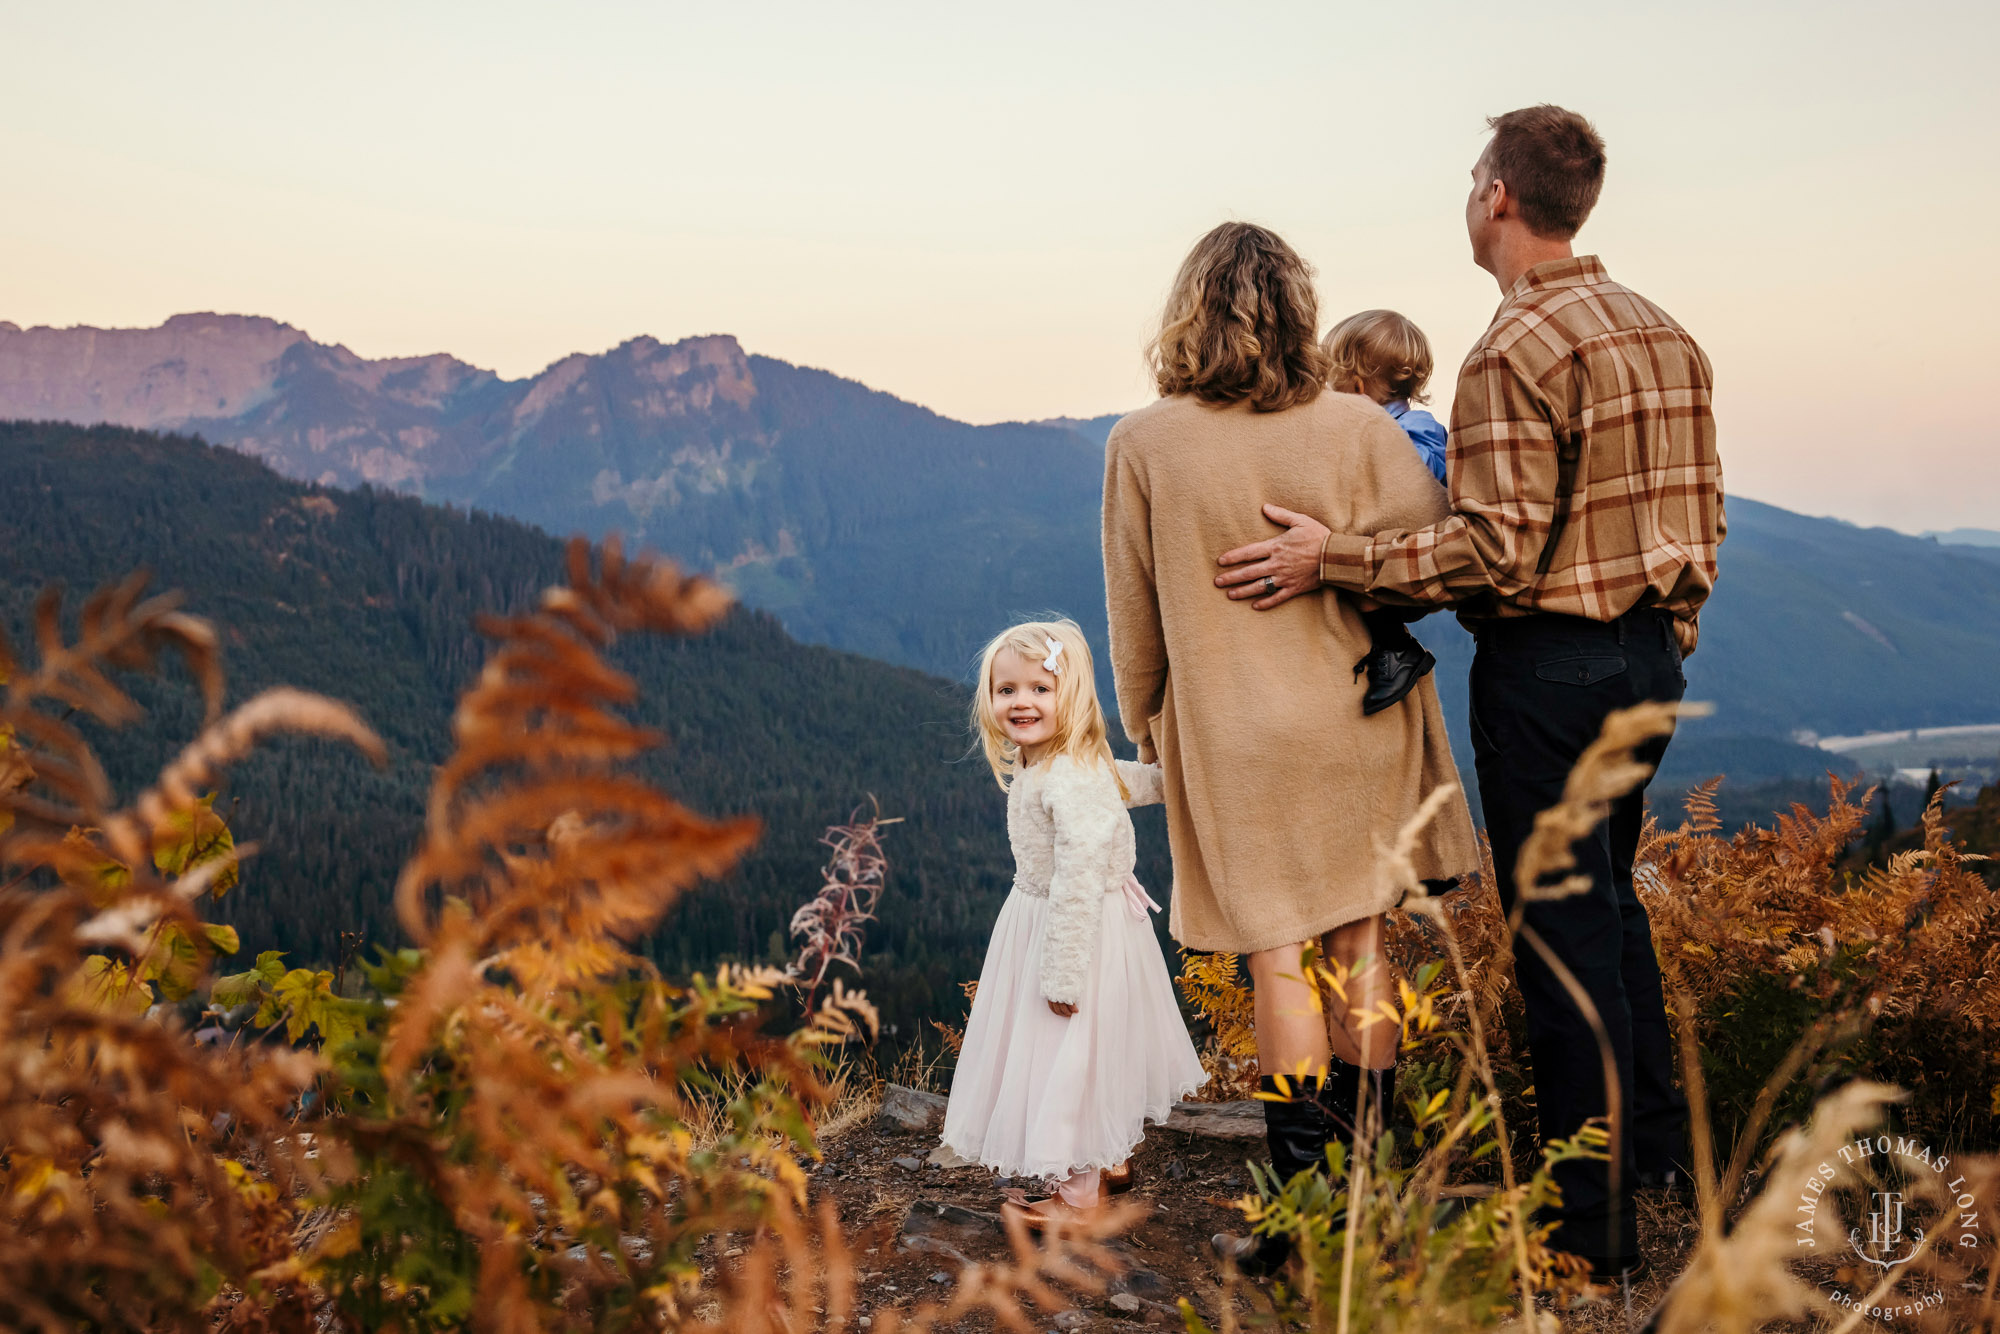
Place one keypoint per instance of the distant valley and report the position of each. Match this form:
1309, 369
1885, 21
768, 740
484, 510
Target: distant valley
871, 524
1985, 538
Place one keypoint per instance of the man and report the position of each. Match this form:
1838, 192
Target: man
1586, 512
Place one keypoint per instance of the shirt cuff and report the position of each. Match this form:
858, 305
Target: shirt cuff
1343, 561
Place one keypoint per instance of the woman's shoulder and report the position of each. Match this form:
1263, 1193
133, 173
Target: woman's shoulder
1182, 428
1356, 411
1164, 419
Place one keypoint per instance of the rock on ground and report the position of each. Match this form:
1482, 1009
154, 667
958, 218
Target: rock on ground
1218, 1120
912, 1110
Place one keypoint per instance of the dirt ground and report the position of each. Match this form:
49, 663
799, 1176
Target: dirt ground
914, 1225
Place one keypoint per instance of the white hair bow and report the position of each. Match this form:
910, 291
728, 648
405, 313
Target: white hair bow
1052, 663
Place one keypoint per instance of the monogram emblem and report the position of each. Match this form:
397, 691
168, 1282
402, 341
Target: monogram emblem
1884, 1245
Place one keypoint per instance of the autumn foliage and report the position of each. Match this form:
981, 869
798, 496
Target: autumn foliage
499, 1132
517, 1125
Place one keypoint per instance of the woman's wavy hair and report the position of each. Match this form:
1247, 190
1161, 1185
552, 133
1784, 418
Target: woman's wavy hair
1242, 323
1081, 732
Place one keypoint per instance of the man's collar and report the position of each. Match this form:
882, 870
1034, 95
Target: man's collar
1576, 271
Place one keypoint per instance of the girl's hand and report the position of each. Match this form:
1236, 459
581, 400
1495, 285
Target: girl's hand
1063, 1008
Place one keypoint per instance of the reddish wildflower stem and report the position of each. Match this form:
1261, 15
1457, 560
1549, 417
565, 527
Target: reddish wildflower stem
832, 922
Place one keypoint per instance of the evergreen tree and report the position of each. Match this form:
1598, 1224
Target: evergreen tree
1882, 833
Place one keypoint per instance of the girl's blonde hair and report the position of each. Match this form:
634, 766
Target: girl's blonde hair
1080, 728
1379, 347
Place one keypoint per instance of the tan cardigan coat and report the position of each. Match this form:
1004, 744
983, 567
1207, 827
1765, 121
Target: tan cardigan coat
1278, 790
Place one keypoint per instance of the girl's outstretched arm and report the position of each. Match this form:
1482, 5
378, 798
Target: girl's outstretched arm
1084, 804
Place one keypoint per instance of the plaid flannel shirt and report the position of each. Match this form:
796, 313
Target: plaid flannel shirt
1582, 468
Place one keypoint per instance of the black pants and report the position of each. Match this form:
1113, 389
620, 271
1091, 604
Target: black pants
1541, 688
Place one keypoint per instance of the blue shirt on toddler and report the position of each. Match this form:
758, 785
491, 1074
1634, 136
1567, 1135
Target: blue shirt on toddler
1426, 432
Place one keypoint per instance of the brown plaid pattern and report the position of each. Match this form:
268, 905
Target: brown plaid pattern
1582, 466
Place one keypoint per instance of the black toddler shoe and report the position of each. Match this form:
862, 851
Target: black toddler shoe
1393, 672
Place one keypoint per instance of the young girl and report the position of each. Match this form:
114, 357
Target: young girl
1074, 1041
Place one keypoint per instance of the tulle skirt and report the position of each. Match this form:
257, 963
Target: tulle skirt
1038, 1095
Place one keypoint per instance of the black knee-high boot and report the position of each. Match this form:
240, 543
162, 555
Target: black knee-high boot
1340, 1095
1297, 1130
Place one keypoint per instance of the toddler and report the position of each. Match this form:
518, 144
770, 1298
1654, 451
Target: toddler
1074, 1041
1384, 356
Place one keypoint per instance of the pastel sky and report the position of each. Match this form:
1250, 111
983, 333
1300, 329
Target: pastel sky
979, 207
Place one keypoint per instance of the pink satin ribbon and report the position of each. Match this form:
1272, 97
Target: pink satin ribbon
1137, 900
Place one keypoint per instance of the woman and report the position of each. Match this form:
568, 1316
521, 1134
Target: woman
1280, 793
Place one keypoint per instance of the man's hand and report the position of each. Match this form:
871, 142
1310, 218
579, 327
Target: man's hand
1290, 562
1063, 1008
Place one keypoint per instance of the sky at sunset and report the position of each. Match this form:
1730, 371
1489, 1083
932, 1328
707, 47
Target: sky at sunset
979, 207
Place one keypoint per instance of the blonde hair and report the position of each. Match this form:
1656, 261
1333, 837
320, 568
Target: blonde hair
1379, 347
1080, 728
1239, 323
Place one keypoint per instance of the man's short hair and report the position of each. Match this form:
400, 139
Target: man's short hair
1553, 164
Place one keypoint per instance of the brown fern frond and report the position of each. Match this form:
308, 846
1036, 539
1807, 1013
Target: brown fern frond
1701, 810
539, 741
118, 630
1212, 984
129, 1146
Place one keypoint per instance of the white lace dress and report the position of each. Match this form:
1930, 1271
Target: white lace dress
1037, 1094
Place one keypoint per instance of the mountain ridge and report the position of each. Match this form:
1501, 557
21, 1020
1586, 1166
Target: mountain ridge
876, 525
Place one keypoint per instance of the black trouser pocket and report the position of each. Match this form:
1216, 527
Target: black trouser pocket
1580, 671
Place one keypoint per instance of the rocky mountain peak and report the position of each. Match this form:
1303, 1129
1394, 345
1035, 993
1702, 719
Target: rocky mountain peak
214, 324
643, 378
191, 367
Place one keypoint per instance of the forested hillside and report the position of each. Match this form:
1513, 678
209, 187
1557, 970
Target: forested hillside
370, 597
874, 525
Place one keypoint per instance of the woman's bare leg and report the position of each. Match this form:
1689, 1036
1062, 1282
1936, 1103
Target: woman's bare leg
1373, 1047
1291, 1031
